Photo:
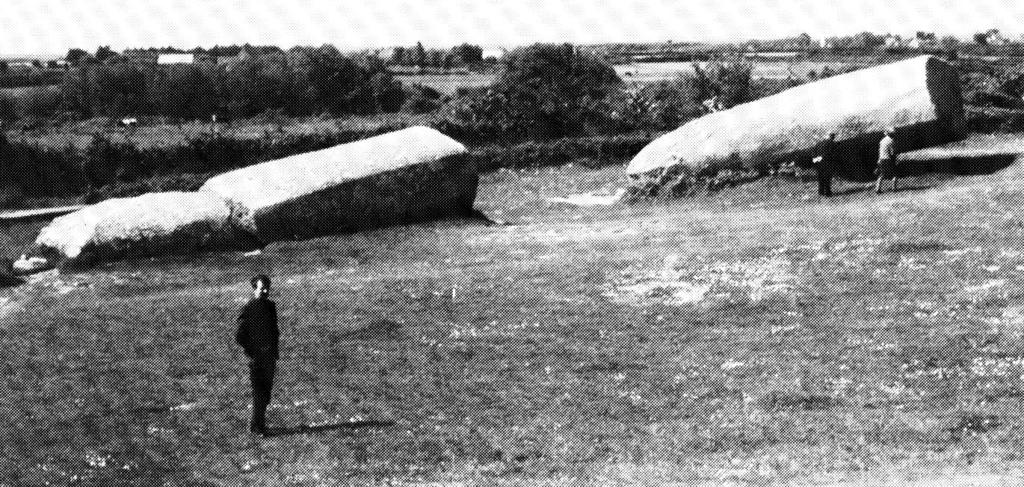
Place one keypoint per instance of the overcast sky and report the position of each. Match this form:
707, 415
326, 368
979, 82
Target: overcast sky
53, 26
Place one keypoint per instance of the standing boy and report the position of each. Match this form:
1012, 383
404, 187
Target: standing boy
258, 336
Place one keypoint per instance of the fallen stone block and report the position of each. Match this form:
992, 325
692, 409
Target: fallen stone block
147, 225
410, 175
920, 97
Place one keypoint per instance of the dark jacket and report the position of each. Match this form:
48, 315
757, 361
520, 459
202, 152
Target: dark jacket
829, 152
257, 329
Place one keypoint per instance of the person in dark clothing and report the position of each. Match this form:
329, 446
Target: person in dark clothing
258, 336
828, 158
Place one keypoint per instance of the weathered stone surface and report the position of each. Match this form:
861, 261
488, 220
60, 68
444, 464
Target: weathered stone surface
920, 97
151, 224
409, 175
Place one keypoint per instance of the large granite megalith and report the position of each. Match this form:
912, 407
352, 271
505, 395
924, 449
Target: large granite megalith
920, 97
413, 174
410, 175
151, 224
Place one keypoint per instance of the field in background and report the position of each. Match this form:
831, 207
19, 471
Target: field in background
653, 72
154, 133
759, 336
644, 73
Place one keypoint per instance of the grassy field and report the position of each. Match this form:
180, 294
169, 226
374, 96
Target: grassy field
797, 69
27, 90
633, 73
154, 133
448, 84
759, 336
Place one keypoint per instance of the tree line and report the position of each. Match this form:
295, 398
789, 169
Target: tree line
300, 81
461, 55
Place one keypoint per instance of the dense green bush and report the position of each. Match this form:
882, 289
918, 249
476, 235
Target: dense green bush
728, 78
421, 99
543, 91
662, 105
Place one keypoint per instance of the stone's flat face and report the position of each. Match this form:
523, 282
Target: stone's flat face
911, 93
143, 220
279, 181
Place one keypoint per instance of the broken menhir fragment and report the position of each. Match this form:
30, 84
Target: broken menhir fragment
413, 174
151, 224
410, 175
920, 97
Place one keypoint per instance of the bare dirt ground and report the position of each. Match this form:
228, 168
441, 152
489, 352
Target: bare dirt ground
757, 336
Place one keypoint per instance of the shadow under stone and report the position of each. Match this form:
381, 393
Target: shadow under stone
959, 166
7, 280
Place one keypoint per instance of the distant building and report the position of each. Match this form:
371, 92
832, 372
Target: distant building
21, 65
495, 53
176, 59
893, 41
386, 54
994, 38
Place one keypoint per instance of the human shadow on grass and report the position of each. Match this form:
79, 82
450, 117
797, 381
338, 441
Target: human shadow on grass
320, 428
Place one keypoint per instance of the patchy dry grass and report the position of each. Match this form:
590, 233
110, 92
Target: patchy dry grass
871, 339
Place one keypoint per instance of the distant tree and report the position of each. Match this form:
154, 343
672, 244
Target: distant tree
75, 56
556, 89
398, 56
331, 82
104, 52
731, 80
257, 84
374, 65
3, 67
981, 38
434, 58
467, 54
186, 91
51, 64
419, 55
421, 99
387, 92
117, 90
37, 64
804, 41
